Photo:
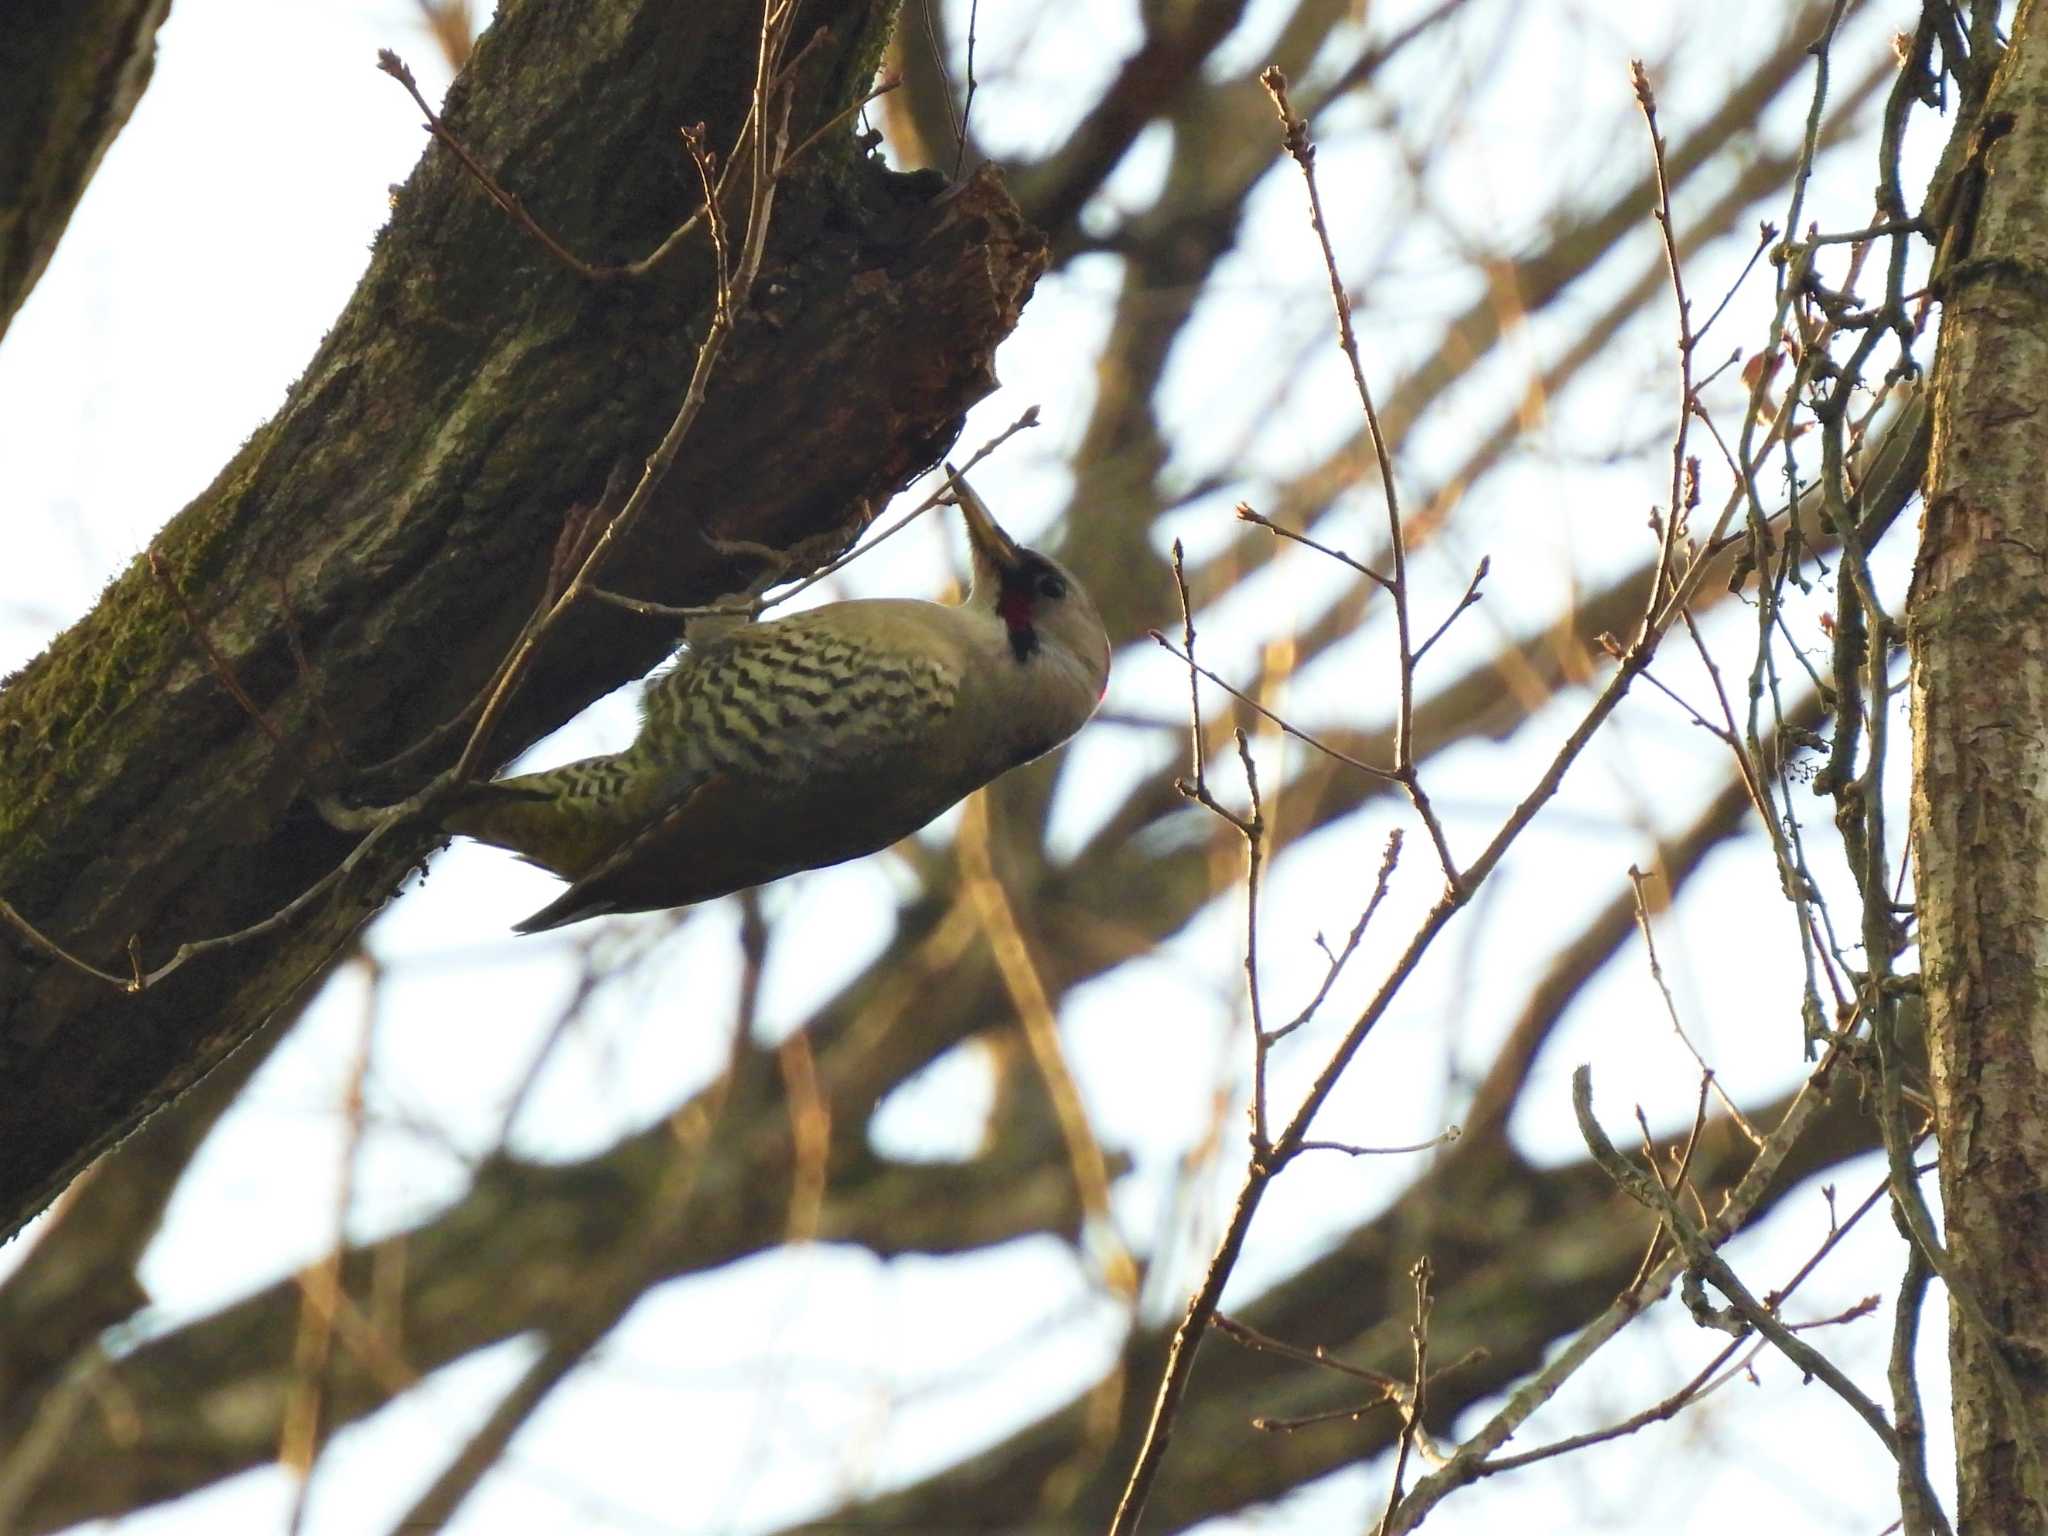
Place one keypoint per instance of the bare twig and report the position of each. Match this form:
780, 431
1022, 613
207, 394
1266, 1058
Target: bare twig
1198, 743
967, 106
1388, 860
1252, 1338
1251, 826
1702, 1258
1306, 738
1684, 486
1920, 1511
1709, 1379
391, 64
1637, 879
1258, 520
1443, 1138
1766, 233
221, 669
1254, 827
754, 607
514, 208
58, 952
1412, 1410
1678, 1175
928, 12
705, 159
1294, 139
1471, 596
141, 980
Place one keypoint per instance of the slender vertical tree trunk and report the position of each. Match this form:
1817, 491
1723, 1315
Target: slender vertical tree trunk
1977, 624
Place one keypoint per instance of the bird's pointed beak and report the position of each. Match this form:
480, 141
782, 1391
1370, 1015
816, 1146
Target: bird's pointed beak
995, 552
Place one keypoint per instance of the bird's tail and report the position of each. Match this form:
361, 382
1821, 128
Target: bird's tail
551, 819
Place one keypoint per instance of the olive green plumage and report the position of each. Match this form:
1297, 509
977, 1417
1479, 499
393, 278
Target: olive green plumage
771, 748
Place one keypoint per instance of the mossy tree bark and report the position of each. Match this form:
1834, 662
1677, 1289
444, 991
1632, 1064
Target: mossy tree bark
363, 562
1977, 623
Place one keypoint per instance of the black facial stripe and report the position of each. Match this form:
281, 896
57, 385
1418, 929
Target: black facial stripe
1020, 598
1029, 567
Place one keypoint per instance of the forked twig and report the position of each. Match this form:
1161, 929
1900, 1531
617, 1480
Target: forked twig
1294, 139
1389, 858
1703, 1259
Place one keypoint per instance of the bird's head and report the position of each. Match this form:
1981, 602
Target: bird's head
1046, 613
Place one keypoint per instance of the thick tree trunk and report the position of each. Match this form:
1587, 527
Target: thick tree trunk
1978, 628
366, 558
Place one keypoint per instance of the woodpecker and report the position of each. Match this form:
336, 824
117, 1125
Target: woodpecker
801, 742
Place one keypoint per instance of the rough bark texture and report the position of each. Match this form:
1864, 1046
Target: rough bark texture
1978, 628
70, 75
392, 524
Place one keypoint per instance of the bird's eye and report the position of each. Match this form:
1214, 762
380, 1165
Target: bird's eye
1050, 587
